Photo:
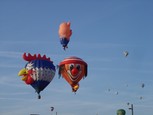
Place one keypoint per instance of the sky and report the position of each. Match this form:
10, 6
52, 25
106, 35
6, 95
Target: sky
102, 31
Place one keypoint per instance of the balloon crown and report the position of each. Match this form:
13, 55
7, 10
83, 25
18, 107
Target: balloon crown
29, 57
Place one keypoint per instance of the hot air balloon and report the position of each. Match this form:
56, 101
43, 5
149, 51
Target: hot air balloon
38, 72
52, 108
73, 69
116, 92
141, 97
64, 34
121, 112
126, 53
142, 85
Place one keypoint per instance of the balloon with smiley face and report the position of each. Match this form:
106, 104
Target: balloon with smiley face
73, 69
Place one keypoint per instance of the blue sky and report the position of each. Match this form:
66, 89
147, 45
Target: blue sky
102, 31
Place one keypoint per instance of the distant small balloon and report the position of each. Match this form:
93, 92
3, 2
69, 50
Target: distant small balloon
126, 53
142, 85
52, 108
116, 93
141, 97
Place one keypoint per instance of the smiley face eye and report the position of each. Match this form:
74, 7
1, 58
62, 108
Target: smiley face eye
71, 66
78, 67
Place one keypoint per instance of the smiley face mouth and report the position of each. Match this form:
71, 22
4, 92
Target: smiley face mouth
73, 77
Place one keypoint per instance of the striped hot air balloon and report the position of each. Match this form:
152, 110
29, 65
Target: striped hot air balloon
38, 72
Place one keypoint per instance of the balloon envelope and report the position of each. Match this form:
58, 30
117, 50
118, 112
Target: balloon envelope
38, 72
126, 53
142, 85
73, 69
64, 34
